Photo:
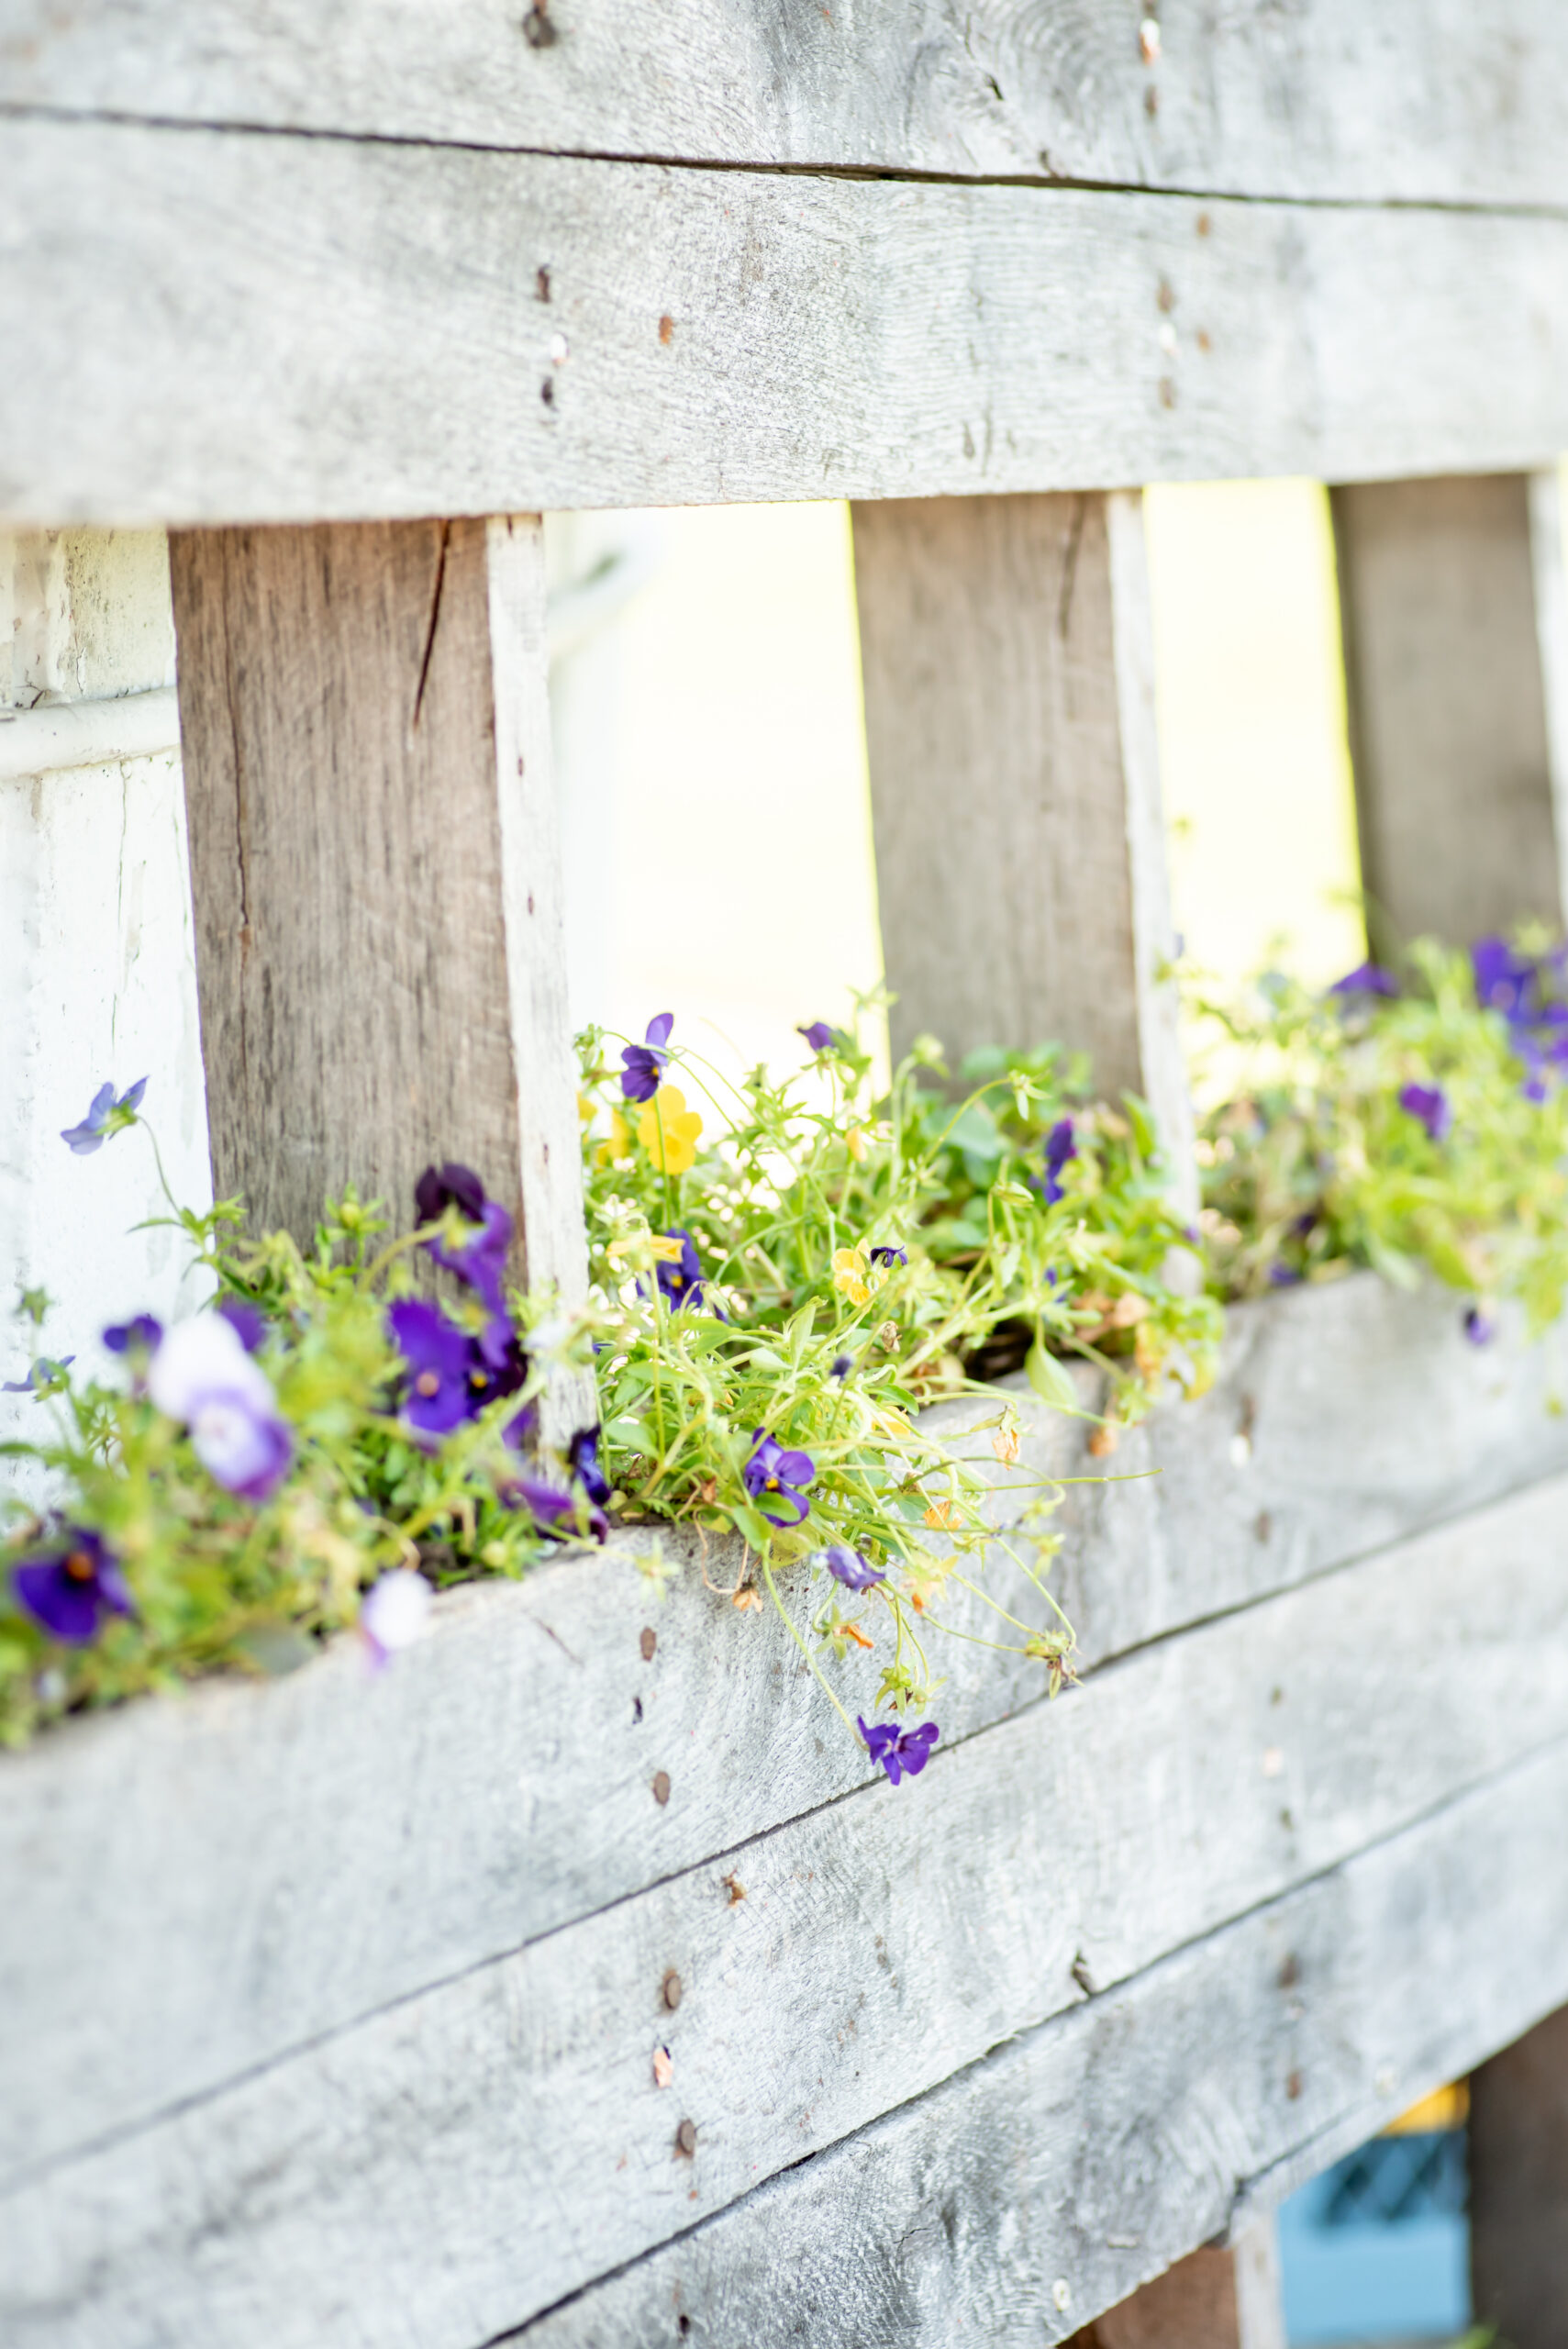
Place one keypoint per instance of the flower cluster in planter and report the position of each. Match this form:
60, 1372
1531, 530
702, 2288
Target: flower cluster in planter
348, 1425
1413, 1121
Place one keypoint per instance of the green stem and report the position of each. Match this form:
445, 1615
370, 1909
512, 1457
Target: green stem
788, 1623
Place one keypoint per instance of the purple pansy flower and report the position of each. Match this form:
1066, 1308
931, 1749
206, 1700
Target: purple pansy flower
1479, 1326
1367, 978
248, 1321
70, 1583
646, 1062
818, 1035
559, 1515
681, 1283
1429, 1105
902, 1753
582, 1458
45, 1375
771, 1470
890, 1256
449, 1185
1505, 980
481, 1259
843, 1365
1283, 1275
104, 1116
848, 1567
137, 1336
1060, 1146
202, 1374
442, 1391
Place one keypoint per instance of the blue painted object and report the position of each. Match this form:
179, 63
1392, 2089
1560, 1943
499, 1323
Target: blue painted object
1378, 2247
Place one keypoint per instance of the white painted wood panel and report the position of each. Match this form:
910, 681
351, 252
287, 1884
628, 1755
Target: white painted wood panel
1090, 2154
1415, 99
229, 327
275, 1862
883, 1945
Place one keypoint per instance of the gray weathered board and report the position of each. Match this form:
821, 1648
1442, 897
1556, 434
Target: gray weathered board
1434, 101
349, 1916
234, 325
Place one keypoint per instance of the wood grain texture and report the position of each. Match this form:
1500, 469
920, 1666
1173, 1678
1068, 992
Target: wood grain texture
374, 869
1008, 661
1446, 705
229, 327
1417, 99
882, 1946
1549, 570
1519, 2186
1215, 2299
271, 1863
1119, 2136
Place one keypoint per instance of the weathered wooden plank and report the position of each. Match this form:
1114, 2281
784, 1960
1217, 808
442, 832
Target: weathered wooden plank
1447, 703
271, 1863
1519, 2186
1419, 99
1007, 658
1047, 2181
876, 1948
374, 866
230, 326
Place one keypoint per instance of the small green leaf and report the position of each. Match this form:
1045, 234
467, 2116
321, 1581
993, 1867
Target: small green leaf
1051, 1379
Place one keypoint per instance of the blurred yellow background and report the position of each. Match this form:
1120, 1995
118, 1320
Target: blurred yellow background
717, 832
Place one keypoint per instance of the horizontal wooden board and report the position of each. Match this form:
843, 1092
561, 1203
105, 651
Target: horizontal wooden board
270, 1864
881, 1946
230, 326
1048, 2181
1413, 99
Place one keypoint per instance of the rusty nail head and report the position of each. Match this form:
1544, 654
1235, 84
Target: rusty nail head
1293, 2087
648, 1642
666, 328
661, 1785
686, 2138
1290, 1973
669, 1990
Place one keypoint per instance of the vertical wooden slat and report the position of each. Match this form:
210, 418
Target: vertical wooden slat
1452, 610
380, 960
1008, 675
1213, 2299
1518, 2188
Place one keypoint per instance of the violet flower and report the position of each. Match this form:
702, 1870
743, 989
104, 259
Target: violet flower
1367, 978
1429, 1105
449, 1185
69, 1584
43, 1376
1479, 1326
202, 1374
558, 1515
843, 1365
248, 1321
646, 1062
582, 1458
104, 1116
819, 1036
902, 1753
771, 1470
848, 1567
481, 1259
137, 1336
890, 1256
1060, 1146
1283, 1275
394, 1613
681, 1283
1505, 980
442, 1391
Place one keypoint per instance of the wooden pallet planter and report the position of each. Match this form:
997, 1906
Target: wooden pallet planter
333, 2006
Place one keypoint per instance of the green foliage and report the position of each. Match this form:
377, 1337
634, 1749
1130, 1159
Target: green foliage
1313, 1165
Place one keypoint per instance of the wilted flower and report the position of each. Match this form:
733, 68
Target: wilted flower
668, 1131
645, 1062
394, 1613
139, 1335
902, 1753
105, 1117
819, 1036
43, 1377
1429, 1105
202, 1374
582, 1458
68, 1583
772, 1470
848, 1567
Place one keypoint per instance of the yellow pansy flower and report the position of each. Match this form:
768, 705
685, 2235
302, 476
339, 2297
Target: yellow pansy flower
617, 1143
667, 1115
855, 1143
851, 1273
